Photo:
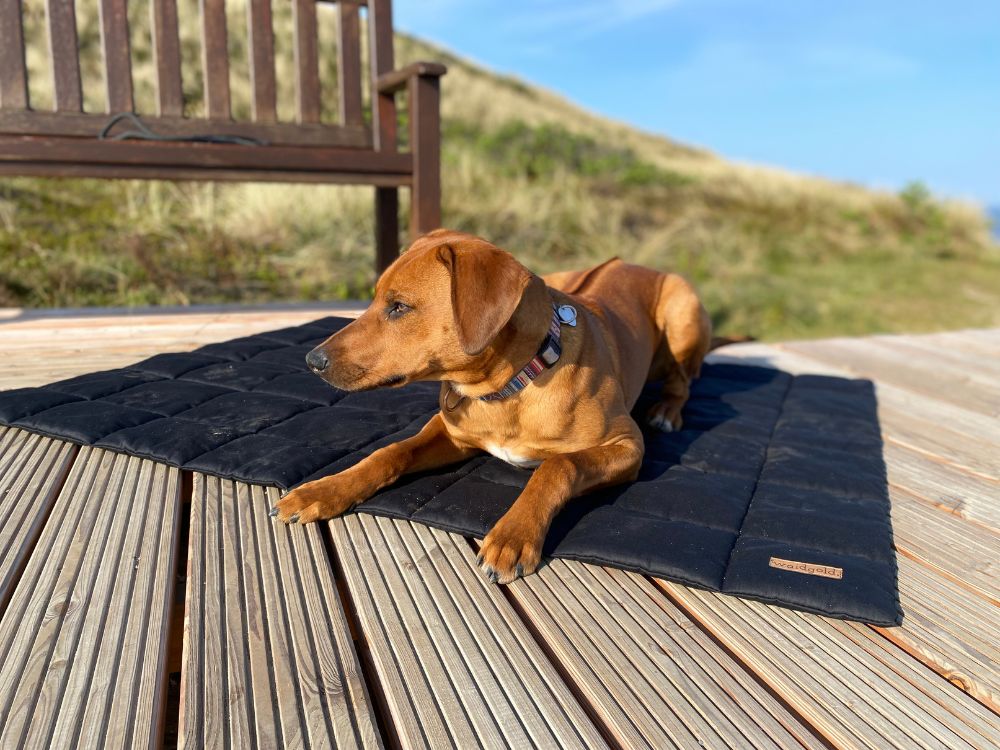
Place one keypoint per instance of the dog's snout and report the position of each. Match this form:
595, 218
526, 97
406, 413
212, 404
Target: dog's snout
317, 360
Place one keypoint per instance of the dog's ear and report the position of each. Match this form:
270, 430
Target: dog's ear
486, 287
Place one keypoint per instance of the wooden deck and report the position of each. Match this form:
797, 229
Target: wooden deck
144, 606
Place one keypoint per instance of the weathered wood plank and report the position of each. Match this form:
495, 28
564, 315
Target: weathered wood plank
349, 67
967, 495
268, 656
853, 697
955, 634
380, 59
456, 664
962, 552
83, 640
645, 668
117, 55
32, 469
65, 55
167, 53
260, 38
215, 59
19, 122
307, 83
13, 71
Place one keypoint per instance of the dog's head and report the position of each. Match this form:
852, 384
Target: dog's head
437, 309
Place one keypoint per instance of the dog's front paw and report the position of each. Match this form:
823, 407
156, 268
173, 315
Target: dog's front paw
314, 501
512, 549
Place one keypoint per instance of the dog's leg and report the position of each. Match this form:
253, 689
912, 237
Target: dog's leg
330, 496
513, 547
687, 335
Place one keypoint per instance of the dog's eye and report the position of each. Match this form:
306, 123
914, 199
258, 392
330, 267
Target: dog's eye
397, 310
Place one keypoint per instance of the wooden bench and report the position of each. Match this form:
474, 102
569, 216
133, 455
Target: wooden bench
67, 142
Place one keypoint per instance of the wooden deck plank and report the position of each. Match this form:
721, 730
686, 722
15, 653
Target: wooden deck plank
962, 552
32, 469
853, 698
268, 656
956, 635
964, 494
650, 673
456, 665
84, 636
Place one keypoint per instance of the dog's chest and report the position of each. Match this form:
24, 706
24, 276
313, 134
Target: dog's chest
505, 454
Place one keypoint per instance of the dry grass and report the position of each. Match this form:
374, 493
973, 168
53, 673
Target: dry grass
775, 254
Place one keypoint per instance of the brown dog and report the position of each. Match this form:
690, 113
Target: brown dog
457, 309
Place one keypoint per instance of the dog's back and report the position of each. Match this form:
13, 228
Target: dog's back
656, 322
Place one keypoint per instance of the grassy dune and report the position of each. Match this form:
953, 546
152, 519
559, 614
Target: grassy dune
776, 255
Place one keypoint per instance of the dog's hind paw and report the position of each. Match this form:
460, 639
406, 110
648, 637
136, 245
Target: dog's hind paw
664, 416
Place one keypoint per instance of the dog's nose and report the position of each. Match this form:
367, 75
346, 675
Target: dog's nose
317, 360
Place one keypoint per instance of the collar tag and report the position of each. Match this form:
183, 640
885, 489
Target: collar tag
567, 315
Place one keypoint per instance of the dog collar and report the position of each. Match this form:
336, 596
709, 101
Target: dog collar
548, 354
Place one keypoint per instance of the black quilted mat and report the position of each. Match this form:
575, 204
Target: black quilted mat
774, 490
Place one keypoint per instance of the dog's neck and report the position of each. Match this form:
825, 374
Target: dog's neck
513, 347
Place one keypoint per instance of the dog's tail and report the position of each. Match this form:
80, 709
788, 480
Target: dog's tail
718, 341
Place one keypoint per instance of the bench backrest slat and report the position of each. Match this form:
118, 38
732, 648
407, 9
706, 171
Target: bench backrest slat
13, 74
215, 59
349, 67
65, 55
260, 35
117, 56
307, 93
167, 54
381, 60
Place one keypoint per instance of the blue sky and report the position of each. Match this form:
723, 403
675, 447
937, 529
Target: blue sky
879, 92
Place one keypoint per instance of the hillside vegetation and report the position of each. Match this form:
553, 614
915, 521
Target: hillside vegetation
775, 255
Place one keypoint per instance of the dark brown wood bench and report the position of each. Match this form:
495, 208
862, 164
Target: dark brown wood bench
67, 141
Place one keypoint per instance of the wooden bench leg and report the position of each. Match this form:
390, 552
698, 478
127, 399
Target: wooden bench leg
425, 143
386, 227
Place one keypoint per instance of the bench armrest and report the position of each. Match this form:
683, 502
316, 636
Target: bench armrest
393, 81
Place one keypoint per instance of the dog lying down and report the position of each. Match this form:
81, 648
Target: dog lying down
542, 372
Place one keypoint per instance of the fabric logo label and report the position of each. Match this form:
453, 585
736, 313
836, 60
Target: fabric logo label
827, 571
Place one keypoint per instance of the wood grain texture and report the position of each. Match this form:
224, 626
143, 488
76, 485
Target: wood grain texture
268, 656
274, 134
260, 38
854, 696
83, 640
349, 65
653, 678
380, 60
64, 55
13, 71
307, 83
956, 635
167, 54
215, 59
457, 667
32, 469
117, 56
